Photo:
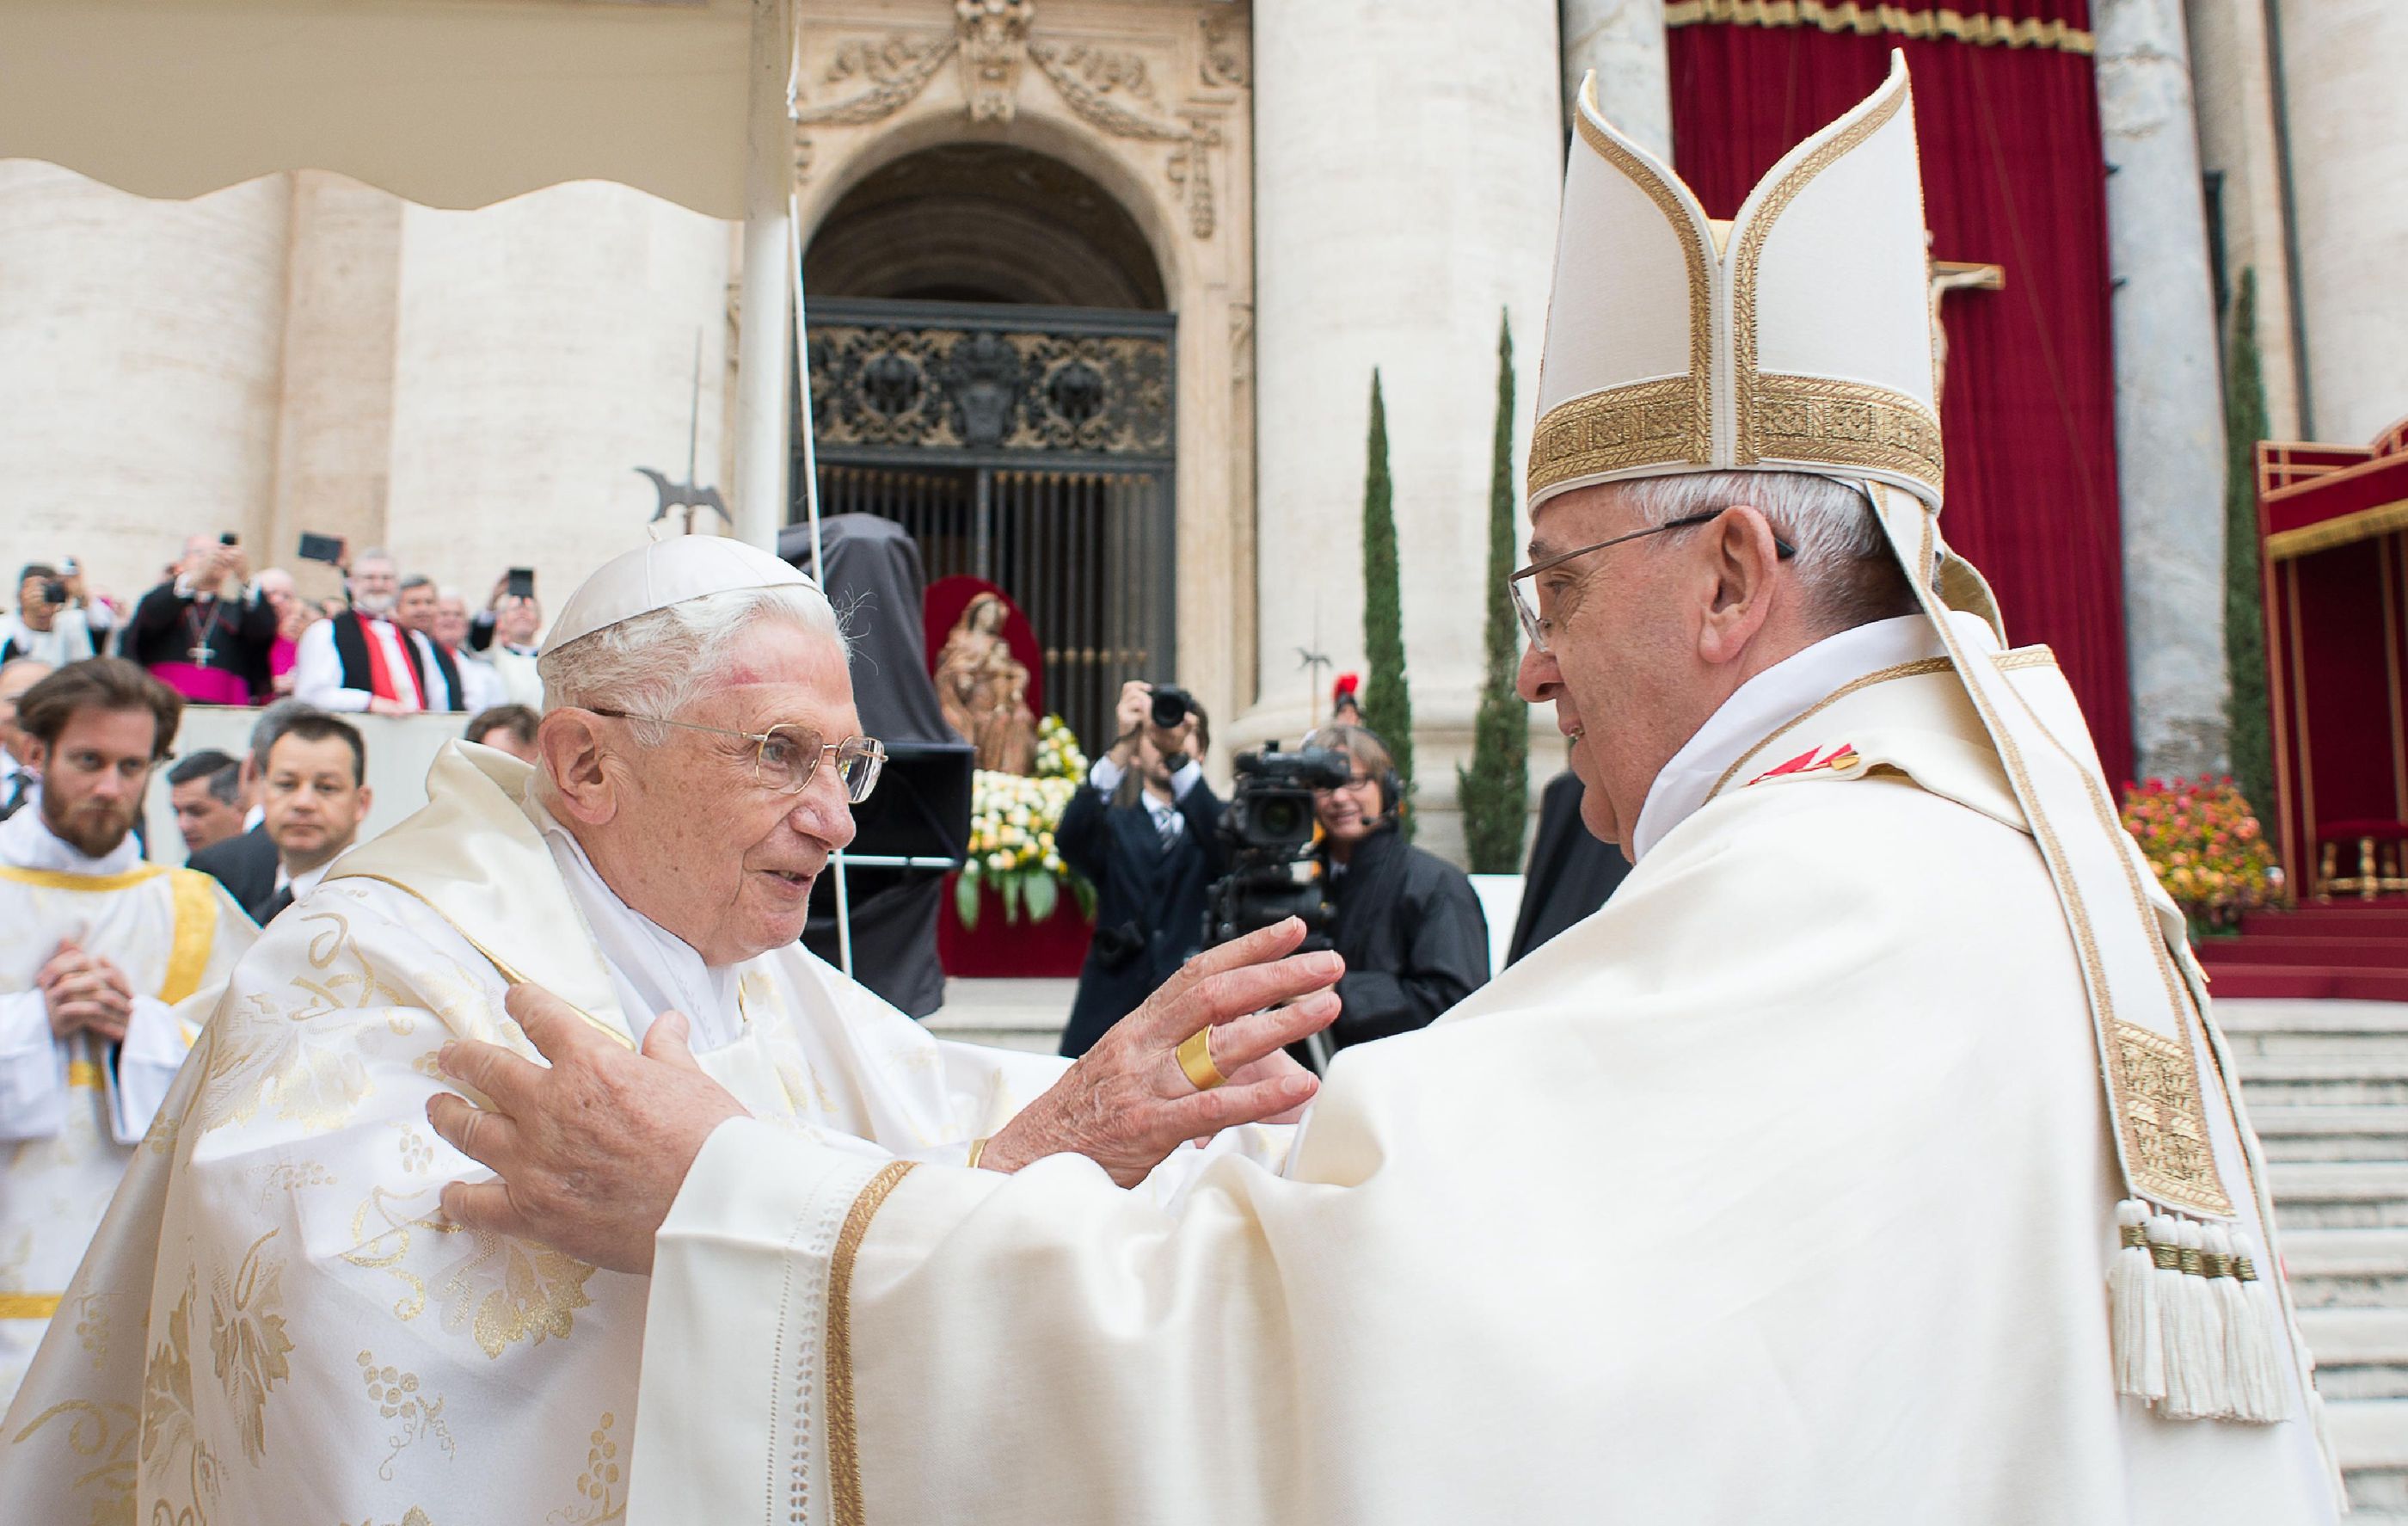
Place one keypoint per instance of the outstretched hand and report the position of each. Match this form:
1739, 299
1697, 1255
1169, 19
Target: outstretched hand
1126, 1104
589, 1154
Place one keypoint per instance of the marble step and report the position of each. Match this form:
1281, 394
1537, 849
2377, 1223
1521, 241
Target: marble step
1026, 1015
2323, 1081
2340, 1194
2347, 1269
2361, 1353
2370, 1439
2261, 1030
2331, 1131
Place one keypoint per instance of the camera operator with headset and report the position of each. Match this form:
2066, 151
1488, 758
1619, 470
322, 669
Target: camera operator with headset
1408, 922
1142, 831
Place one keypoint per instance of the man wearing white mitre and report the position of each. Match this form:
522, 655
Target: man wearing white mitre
1785, 1188
100, 957
291, 1331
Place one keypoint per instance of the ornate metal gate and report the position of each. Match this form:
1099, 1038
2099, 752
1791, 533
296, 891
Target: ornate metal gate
1028, 446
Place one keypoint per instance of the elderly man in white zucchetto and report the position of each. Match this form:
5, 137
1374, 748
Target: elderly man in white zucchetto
278, 1323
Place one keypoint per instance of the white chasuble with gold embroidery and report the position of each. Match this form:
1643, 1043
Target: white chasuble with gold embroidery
297, 1336
73, 1110
1778, 1190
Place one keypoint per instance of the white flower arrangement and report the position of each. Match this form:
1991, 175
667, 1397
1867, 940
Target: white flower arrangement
1012, 820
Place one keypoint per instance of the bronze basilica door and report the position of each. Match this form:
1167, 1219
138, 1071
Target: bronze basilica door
1030, 446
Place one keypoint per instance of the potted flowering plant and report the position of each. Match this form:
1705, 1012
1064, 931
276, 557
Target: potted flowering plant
2206, 848
1012, 820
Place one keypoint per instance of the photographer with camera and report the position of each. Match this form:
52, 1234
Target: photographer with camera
1142, 831
1408, 922
55, 621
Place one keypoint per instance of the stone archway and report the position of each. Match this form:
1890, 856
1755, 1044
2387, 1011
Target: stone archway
992, 368
1096, 158
982, 222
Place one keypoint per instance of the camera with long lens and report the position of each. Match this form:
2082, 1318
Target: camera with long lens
1268, 827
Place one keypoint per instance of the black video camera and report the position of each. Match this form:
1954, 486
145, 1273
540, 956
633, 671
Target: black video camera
1268, 827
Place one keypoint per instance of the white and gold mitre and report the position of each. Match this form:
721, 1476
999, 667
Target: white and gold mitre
1796, 337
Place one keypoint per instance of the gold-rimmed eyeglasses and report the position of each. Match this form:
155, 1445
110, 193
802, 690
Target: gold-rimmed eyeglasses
1540, 629
785, 757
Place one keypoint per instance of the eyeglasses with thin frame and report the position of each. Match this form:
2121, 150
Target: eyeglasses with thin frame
1539, 627
785, 757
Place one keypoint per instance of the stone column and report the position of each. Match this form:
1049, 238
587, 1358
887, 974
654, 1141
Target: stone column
2168, 390
1623, 40
333, 449
140, 346
1408, 163
2349, 156
544, 350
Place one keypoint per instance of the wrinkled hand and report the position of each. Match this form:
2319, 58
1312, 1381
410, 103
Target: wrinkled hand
85, 991
590, 1153
1126, 1104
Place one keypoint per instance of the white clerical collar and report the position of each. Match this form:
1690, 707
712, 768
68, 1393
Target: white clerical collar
653, 969
1775, 697
27, 842
308, 880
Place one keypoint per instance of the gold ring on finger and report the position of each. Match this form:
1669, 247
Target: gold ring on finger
1195, 1061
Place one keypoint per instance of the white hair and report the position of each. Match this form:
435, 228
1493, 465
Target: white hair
1844, 562
658, 662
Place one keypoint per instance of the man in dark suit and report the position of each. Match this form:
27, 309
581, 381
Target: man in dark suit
315, 794
1143, 831
246, 865
1570, 872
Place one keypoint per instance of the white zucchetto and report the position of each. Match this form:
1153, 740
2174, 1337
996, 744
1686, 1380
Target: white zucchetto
665, 572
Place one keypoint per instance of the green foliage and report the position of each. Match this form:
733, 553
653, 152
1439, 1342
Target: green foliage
2244, 609
1494, 791
1387, 705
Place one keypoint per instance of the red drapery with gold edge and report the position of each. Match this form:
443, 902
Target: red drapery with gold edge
2012, 176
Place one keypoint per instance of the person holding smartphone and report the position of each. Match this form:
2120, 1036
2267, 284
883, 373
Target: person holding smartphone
207, 631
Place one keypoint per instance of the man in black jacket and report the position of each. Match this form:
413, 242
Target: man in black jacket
1572, 871
247, 865
1408, 922
1143, 831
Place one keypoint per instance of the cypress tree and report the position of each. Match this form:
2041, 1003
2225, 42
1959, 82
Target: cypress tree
1494, 791
1387, 705
2245, 611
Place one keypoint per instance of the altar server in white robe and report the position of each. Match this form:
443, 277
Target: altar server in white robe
1869, 1158
97, 949
284, 1328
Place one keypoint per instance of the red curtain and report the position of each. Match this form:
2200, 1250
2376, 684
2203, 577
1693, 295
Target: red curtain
2012, 176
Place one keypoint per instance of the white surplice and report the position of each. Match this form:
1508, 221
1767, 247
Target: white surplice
72, 1110
296, 1335
1778, 1190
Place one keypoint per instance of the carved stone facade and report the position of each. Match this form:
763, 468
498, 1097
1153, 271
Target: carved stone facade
1151, 102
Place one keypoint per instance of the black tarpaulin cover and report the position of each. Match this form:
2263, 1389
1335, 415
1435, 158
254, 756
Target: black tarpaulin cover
921, 806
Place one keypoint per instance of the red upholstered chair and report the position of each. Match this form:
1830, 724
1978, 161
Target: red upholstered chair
2370, 880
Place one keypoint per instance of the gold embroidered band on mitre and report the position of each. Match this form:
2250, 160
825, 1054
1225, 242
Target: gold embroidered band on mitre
1841, 423
1659, 422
